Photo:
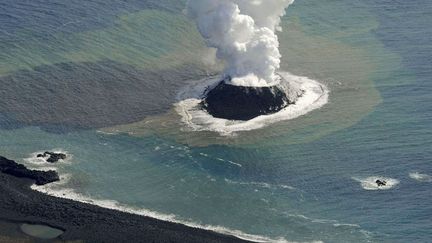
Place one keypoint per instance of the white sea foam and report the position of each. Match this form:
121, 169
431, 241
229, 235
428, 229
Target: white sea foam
313, 220
369, 183
315, 96
333, 222
229, 161
346, 225
420, 177
108, 133
54, 189
222, 160
260, 184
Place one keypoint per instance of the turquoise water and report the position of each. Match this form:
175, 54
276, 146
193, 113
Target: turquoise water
72, 73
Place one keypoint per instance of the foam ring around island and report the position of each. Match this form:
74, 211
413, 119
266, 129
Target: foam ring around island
369, 183
314, 96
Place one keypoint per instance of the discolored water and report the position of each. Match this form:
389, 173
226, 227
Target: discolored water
98, 80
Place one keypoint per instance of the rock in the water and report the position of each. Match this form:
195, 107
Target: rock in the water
52, 157
41, 177
380, 182
244, 103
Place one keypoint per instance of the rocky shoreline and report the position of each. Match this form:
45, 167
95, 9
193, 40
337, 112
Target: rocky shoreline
88, 223
10, 167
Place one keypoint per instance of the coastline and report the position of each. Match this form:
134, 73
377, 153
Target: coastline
90, 223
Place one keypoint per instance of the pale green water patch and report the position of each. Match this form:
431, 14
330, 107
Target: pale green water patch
348, 70
41, 231
149, 38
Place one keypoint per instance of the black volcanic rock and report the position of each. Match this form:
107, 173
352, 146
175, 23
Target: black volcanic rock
10, 167
380, 182
52, 157
244, 103
82, 222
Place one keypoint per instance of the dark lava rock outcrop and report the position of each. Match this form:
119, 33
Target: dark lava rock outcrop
244, 103
10, 167
52, 157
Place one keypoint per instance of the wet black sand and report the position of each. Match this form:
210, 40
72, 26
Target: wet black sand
85, 222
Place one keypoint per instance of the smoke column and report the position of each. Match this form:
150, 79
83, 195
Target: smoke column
243, 32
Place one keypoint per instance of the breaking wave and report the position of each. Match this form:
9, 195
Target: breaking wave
55, 189
420, 177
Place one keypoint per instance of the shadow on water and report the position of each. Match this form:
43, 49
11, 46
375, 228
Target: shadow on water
87, 95
50, 16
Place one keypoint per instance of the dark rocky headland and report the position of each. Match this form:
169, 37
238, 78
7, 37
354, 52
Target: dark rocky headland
82, 222
243, 103
40, 177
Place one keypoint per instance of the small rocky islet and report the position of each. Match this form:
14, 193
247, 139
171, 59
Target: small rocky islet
52, 157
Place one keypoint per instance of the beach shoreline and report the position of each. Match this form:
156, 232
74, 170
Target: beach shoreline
87, 222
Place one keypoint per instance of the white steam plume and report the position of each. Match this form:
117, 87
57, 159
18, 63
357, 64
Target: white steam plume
243, 32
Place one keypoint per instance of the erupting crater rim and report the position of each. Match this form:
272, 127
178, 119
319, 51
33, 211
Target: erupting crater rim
243, 103
305, 95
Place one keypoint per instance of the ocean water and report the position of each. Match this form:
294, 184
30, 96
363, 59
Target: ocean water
98, 79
